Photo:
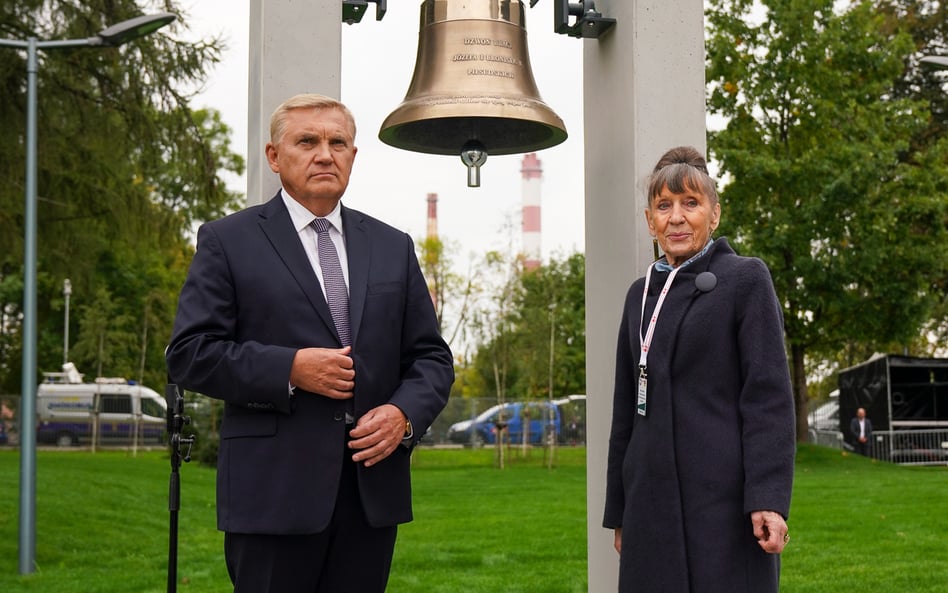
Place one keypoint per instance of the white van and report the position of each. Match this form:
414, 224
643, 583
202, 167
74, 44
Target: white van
69, 412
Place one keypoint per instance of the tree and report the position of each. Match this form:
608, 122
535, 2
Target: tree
518, 341
125, 170
927, 22
106, 335
453, 295
823, 181
491, 328
551, 314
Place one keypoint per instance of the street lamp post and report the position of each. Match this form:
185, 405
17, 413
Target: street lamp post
111, 37
552, 412
67, 291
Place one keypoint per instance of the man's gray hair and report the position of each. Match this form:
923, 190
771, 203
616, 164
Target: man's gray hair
306, 101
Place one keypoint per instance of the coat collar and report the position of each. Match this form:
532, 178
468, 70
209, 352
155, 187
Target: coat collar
719, 248
689, 274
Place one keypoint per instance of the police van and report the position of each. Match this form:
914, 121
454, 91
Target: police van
111, 410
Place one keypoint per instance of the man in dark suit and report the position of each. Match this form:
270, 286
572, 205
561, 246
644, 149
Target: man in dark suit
860, 428
325, 392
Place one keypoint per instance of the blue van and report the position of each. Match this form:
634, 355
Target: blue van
483, 429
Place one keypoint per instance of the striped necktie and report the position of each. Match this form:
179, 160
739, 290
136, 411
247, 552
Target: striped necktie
337, 295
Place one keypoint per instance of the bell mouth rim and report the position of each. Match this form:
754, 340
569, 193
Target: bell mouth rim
425, 135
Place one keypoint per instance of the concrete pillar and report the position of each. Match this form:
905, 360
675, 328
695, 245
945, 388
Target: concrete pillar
643, 94
294, 48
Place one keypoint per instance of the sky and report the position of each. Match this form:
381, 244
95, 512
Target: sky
392, 184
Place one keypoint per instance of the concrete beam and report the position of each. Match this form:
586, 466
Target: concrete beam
295, 47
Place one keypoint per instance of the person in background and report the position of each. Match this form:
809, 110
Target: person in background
313, 323
701, 451
860, 428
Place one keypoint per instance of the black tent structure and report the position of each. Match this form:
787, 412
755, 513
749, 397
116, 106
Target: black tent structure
905, 395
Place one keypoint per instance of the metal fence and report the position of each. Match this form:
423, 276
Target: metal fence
9, 421
572, 424
911, 447
827, 438
905, 447
572, 421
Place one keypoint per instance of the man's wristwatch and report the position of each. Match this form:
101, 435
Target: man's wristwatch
408, 431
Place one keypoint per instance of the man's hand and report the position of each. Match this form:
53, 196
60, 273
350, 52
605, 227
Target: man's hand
376, 434
326, 371
770, 530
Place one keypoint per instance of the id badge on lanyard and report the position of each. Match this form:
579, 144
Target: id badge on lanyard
645, 342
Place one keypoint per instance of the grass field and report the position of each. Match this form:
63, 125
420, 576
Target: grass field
102, 525
860, 525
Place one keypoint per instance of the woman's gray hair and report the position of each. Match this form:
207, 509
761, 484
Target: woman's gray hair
682, 169
306, 101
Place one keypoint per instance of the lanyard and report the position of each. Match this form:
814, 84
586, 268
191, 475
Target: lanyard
646, 342
650, 332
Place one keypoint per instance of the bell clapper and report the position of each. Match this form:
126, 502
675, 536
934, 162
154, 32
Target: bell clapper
473, 154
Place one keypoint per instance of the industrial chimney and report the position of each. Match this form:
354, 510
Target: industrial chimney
433, 234
532, 175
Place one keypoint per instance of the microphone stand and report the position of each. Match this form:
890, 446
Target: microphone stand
176, 420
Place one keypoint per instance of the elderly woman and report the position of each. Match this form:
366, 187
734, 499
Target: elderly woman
701, 453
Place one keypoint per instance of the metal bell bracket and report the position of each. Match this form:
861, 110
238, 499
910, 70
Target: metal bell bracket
353, 10
589, 22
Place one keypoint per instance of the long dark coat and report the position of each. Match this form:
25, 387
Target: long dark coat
718, 439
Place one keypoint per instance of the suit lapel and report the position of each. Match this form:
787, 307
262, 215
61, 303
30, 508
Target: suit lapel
358, 250
276, 224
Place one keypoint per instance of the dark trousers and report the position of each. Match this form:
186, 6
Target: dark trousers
863, 448
350, 556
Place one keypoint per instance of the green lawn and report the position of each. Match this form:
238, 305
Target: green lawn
102, 525
859, 525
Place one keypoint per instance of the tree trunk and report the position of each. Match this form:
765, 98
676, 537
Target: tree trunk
800, 394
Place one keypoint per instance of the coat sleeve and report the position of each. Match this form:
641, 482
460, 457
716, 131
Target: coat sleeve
766, 399
204, 354
623, 412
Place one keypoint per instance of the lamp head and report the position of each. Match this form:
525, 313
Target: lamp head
131, 29
935, 62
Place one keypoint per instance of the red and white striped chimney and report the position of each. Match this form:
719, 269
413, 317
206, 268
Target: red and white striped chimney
432, 216
532, 176
433, 234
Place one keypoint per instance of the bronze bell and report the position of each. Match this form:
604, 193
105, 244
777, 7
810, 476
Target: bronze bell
472, 92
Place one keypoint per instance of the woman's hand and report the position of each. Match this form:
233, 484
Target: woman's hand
770, 530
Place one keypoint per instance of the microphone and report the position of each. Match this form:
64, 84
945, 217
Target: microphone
706, 281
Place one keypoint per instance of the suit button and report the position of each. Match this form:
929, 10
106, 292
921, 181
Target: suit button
337, 416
